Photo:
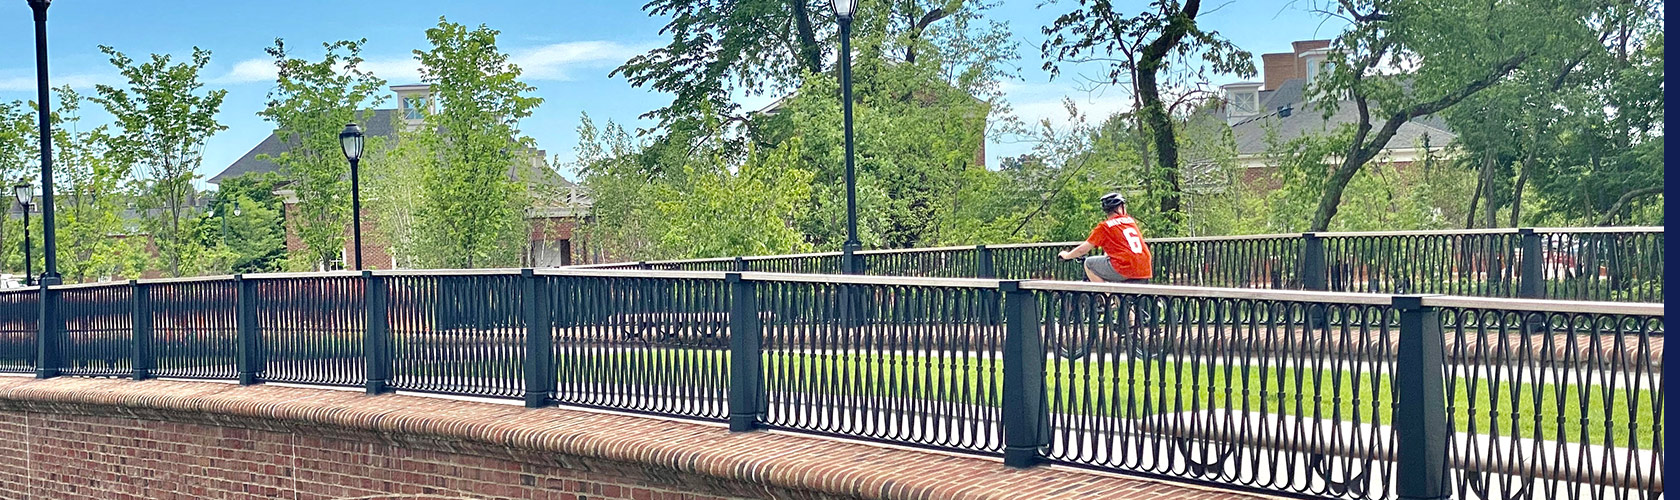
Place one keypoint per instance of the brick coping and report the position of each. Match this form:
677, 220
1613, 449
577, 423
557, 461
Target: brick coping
814, 464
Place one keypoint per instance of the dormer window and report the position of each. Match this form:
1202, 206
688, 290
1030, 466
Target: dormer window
414, 102
1242, 100
1315, 62
413, 107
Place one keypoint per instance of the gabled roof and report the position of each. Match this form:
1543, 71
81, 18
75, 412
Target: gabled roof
1307, 118
379, 125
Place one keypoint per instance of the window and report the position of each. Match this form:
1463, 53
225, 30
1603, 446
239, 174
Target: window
414, 107
1316, 66
1245, 102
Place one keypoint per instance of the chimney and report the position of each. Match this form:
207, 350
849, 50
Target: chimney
1284, 66
1277, 68
1306, 45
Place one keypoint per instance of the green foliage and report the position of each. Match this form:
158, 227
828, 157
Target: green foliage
90, 197
248, 224
162, 120
19, 162
390, 196
1159, 47
708, 206
720, 45
309, 105
1449, 53
473, 207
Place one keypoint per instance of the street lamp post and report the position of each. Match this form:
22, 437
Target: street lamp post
351, 140
48, 328
844, 10
25, 197
49, 241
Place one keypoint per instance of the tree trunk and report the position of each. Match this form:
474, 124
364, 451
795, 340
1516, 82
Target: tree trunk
1517, 190
1610, 215
1476, 196
1490, 209
1366, 146
1154, 113
810, 52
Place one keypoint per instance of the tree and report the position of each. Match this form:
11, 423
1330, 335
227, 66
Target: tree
1585, 132
91, 234
475, 202
247, 223
17, 163
709, 205
309, 105
163, 119
1140, 51
392, 197
719, 47
1448, 52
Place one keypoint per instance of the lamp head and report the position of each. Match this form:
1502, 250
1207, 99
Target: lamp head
351, 140
24, 193
844, 9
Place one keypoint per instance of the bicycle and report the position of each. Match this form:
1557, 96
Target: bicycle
1074, 328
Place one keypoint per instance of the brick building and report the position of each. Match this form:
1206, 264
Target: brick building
554, 239
1255, 111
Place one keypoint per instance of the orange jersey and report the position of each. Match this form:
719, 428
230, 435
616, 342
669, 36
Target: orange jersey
1120, 239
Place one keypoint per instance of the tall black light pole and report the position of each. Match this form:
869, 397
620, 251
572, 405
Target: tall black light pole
25, 197
49, 241
844, 9
47, 352
351, 140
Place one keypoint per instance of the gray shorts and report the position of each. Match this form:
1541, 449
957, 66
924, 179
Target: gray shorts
1099, 266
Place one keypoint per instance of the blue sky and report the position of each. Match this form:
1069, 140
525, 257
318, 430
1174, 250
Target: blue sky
566, 48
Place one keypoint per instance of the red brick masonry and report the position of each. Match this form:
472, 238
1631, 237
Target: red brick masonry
70, 438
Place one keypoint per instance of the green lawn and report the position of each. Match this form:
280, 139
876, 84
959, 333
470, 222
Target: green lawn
1573, 413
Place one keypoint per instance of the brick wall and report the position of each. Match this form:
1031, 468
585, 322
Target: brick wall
74, 438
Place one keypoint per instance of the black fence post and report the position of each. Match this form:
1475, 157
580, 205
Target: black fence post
539, 340
1531, 274
1531, 270
746, 358
376, 339
985, 267
740, 265
1420, 416
1315, 275
49, 344
245, 320
1023, 377
140, 317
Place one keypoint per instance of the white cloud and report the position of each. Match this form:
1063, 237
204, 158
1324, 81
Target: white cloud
78, 82
555, 61
1033, 102
248, 71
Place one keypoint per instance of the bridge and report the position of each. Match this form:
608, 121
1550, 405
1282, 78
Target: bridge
1472, 364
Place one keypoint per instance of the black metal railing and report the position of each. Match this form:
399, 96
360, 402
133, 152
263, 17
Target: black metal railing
1301, 393
98, 331
656, 345
311, 328
913, 363
1552, 400
18, 312
1620, 264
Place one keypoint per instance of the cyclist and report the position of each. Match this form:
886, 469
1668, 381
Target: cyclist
1127, 259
